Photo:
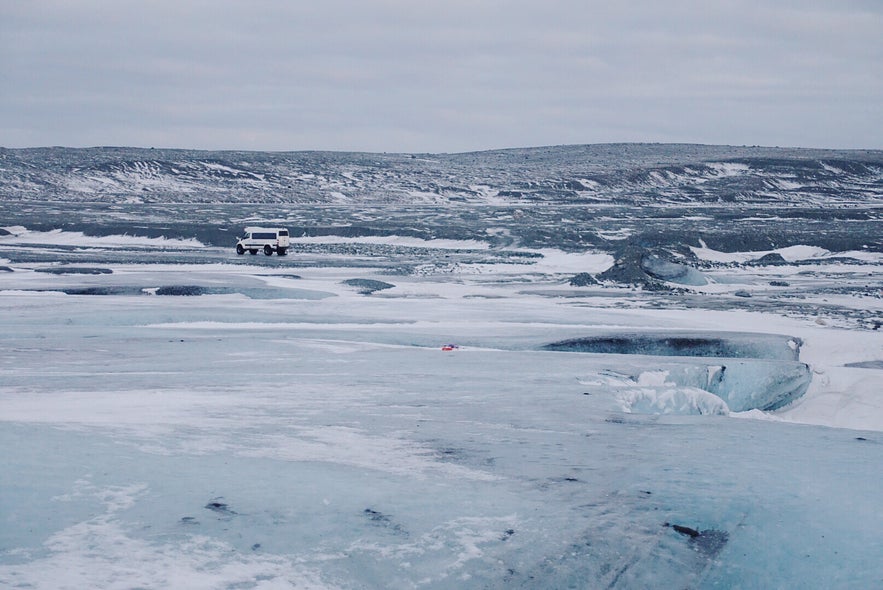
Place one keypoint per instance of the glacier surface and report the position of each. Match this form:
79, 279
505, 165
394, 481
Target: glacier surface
176, 416
326, 441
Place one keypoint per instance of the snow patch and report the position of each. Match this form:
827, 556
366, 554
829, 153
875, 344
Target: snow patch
729, 168
559, 262
400, 241
19, 235
615, 235
790, 254
103, 553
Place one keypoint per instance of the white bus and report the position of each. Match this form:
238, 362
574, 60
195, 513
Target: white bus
268, 239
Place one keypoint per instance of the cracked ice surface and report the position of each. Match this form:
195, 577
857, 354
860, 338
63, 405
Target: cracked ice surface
225, 441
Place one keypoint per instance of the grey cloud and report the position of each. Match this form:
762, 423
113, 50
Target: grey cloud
394, 75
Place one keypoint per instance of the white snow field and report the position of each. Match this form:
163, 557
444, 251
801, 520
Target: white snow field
231, 425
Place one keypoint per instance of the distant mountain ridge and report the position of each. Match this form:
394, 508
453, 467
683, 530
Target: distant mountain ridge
643, 174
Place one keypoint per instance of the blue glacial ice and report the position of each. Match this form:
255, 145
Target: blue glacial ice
222, 441
743, 371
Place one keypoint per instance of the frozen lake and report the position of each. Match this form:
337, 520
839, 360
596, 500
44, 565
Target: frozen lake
176, 416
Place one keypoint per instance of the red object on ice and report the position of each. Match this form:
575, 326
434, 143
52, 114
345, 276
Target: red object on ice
450, 347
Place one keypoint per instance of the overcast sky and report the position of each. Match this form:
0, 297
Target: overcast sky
439, 75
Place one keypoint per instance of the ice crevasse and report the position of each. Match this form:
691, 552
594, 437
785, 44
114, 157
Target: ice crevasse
695, 373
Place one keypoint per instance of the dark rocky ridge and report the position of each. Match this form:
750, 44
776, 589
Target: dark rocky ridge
587, 174
643, 203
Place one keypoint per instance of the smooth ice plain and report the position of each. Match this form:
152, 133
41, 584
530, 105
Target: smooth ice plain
210, 421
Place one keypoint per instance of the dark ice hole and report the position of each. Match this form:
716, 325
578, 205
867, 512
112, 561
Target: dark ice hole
182, 290
649, 345
700, 344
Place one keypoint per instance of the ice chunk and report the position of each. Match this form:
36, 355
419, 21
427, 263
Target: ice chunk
764, 385
747, 384
671, 400
678, 386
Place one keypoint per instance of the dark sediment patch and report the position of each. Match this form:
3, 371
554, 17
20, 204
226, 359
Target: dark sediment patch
380, 519
220, 507
865, 365
771, 259
583, 279
684, 530
182, 290
710, 542
627, 270
368, 286
101, 291
75, 270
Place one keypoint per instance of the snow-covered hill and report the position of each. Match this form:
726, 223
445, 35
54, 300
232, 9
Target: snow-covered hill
620, 173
